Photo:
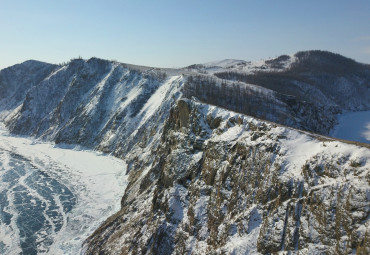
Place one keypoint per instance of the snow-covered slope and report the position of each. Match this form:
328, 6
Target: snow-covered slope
96, 103
247, 67
15, 82
223, 183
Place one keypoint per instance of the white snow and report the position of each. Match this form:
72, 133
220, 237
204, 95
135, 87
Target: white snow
155, 101
97, 180
243, 66
243, 244
353, 126
297, 150
246, 244
225, 63
90, 107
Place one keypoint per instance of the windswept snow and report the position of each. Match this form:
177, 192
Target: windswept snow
354, 126
53, 198
246, 66
155, 101
225, 63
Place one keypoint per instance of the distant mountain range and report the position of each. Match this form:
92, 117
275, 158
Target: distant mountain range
215, 159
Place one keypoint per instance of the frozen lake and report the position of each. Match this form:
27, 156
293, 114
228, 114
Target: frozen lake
353, 126
52, 199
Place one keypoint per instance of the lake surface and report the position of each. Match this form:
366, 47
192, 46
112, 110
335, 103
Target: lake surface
353, 126
51, 198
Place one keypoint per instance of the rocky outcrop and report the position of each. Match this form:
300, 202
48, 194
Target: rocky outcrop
223, 183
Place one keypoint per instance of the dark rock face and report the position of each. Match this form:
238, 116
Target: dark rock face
203, 191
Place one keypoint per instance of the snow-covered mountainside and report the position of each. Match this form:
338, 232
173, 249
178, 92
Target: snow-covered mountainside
203, 178
95, 103
15, 82
224, 183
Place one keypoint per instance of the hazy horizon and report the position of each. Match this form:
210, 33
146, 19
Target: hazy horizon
172, 34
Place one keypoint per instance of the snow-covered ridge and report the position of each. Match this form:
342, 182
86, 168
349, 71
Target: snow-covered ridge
246, 67
304, 91
225, 63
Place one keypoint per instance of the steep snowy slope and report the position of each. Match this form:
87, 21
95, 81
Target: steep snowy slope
96, 103
223, 183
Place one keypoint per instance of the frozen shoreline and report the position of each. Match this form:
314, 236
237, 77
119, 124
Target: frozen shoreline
96, 181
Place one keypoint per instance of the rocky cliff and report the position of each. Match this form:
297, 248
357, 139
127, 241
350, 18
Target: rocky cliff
223, 183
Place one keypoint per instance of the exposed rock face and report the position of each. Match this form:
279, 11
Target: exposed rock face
220, 182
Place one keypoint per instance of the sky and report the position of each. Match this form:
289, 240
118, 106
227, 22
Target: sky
168, 33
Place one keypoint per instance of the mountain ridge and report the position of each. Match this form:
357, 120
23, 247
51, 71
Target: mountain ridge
283, 105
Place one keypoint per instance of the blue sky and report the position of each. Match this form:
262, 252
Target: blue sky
166, 33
